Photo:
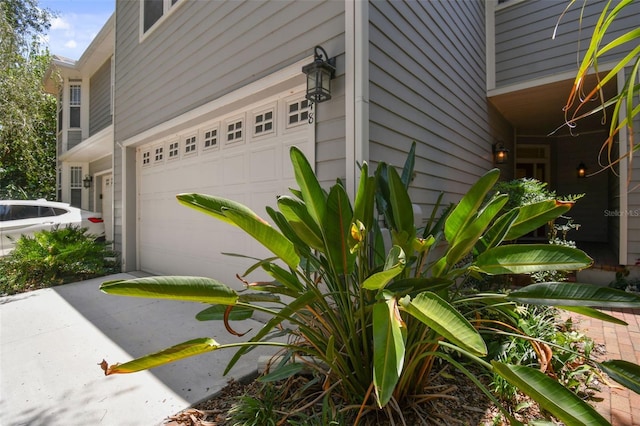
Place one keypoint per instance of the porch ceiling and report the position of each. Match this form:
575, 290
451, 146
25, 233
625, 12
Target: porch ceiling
537, 111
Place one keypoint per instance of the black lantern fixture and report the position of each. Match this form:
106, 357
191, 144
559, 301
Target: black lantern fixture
581, 170
500, 153
319, 74
86, 182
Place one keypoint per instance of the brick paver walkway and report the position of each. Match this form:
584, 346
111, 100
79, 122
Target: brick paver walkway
620, 405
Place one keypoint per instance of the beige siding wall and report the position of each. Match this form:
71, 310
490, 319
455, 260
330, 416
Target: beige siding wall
427, 85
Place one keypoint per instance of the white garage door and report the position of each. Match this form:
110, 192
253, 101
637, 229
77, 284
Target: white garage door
243, 156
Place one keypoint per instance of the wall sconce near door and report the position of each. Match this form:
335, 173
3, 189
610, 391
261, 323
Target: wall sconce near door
86, 182
319, 74
500, 153
581, 171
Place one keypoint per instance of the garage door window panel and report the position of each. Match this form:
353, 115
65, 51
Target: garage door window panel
210, 138
234, 131
297, 113
190, 145
146, 158
158, 156
174, 150
264, 122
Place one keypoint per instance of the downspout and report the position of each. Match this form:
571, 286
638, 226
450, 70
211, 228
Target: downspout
356, 90
623, 176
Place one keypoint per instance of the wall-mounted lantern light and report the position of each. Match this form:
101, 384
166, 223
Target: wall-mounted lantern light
500, 153
319, 74
581, 170
86, 182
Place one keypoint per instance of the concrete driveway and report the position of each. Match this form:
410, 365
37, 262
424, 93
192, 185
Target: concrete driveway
53, 339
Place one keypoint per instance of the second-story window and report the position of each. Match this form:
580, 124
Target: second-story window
153, 10
75, 93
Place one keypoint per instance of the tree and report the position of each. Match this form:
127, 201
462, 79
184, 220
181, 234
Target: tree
27, 114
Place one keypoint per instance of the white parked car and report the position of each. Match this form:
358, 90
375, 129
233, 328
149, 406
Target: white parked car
24, 217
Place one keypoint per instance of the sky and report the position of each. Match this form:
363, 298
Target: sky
76, 25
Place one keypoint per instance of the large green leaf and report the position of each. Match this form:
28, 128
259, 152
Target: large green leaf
193, 289
283, 372
438, 314
213, 206
551, 395
466, 209
296, 213
533, 216
286, 229
574, 294
394, 265
624, 372
218, 312
593, 313
468, 237
365, 198
284, 277
409, 164
401, 205
388, 348
497, 232
527, 258
418, 285
312, 193
382, 193
266, 235
174, 353
336, 229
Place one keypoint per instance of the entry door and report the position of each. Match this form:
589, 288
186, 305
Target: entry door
533, 162
107, 210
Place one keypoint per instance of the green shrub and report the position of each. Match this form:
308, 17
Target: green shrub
528, 191
558, 350
55, 257
375, 322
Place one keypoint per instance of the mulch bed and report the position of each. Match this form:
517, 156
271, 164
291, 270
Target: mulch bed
462, 404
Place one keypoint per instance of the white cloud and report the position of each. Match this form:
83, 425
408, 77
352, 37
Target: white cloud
71, 44
59, 23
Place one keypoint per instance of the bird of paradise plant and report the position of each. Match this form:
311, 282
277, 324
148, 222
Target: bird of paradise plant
625, 104
372, 319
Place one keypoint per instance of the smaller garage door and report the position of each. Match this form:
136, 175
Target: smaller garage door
244, 156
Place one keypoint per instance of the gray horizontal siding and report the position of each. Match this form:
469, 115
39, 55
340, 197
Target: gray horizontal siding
525, 49
100, 99
74, 137
207, 49
427, 83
